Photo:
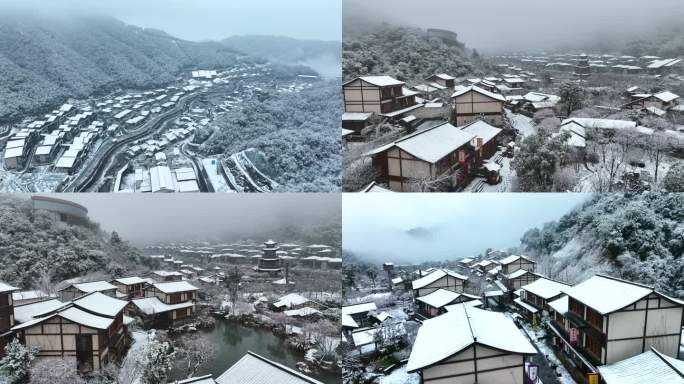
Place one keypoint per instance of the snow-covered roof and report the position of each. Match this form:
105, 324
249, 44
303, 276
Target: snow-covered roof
380, 81
358, 308
306, 311
101, 304
167, 273
528, 307
290, 300
601, 123
456, 330
152, 305
375, 188
479, 90
606, 294
397, 280
27, 312
439, 298
444, 76
175, 286
545, 288
482, 130
7, 288
666, 96
560, 305
30, 295
94, 286
434, 276
130, 280
356, 116
348, 321
469, 303
578, 135
513, 258
206, 379
432, 144
648, 367
254, 369
516, 274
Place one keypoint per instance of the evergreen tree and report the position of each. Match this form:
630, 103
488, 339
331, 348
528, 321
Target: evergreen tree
159, 359
16, 364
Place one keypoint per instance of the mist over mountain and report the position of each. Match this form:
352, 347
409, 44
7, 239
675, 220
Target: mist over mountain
322, 56
45, 59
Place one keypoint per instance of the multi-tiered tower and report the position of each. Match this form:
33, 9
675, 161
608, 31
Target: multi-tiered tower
582, 69
270, 261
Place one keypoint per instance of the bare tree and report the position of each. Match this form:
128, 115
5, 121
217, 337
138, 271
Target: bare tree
325, 336
233, 280
55, 371
194, 350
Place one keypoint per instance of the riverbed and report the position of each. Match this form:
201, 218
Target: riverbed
233, 340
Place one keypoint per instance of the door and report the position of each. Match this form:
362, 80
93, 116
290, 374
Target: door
84, 352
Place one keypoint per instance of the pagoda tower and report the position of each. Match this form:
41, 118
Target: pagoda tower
270, 261
582, 69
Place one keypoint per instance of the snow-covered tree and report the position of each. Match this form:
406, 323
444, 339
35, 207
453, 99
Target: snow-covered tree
16, 365
194, 351
674, 179
159, 360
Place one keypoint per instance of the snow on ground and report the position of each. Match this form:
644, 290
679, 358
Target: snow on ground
537, 338
400, 376
522, 123
131, 365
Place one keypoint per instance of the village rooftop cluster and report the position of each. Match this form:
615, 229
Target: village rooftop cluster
486, 320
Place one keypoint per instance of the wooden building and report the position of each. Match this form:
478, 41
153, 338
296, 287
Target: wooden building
434, 304
470, 345
439, 279
648, 367
486, 140
6, 315
76, 290
166, 276
155, 313
89, 329
609, 320
172, 292
517, 279
359, 313
443, 79
414, 162
131, 287
355, 122
474, 103
513, 263
382, 95
538, 294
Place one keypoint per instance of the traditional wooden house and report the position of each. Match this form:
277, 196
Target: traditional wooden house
131, 287
166, 276
291, 301
76, 290
434, 304
470, 345
154, 313
663, 101
172, 292
382, 95
89, 329
6, 315
414, 162
255, 369
359, 313
355, 122
443, 79
538, 295
609, 320
474, 103
517, 279
439, 279
513, 263
486, 140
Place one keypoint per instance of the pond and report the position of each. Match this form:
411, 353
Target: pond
233, 340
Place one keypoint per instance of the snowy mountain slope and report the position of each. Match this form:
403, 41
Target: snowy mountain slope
639, 237
47, 58
33, 246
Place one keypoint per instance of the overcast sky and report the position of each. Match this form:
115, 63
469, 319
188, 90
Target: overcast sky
216, 19
423, 227
491, 25
149, 218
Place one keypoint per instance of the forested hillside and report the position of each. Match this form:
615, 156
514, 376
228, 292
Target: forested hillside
323, 56
406, 53
33, 247
46, 58
639, 237
299, 135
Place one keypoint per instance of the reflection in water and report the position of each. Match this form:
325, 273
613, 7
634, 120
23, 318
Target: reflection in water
234, 340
